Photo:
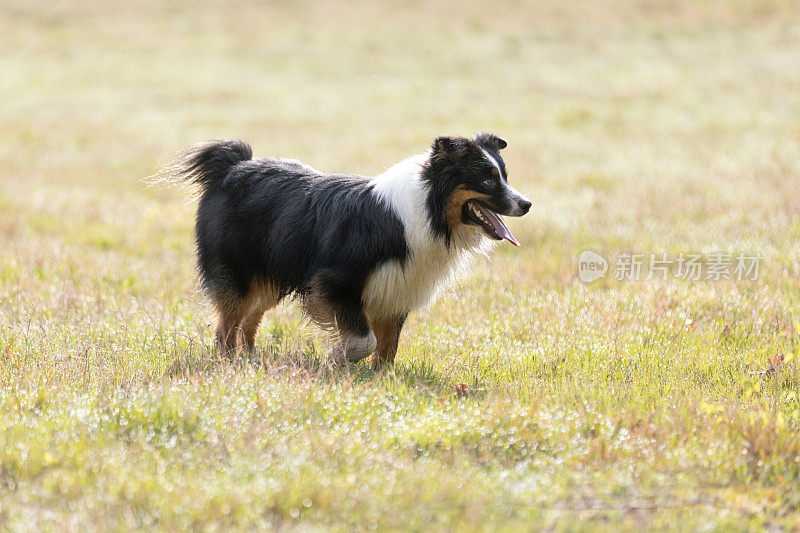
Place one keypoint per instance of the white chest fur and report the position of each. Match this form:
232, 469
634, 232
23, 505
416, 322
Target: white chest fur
396, 288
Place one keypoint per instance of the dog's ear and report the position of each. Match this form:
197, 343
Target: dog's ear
490, 140
449, 147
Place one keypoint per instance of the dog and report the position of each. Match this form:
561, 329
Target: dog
359, 253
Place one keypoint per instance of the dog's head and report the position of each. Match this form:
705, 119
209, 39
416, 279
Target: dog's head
470, 185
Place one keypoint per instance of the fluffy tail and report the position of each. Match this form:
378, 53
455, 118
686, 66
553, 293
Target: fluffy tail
207, 163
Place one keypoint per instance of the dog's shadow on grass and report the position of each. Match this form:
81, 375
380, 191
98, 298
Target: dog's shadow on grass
280, 361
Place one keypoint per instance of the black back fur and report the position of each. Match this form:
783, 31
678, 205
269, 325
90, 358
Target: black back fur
288, 225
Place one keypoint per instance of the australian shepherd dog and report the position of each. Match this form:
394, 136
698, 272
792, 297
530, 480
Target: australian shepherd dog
359, 253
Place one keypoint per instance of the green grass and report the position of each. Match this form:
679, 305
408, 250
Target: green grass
523, 399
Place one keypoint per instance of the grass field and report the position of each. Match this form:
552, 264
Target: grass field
525, 398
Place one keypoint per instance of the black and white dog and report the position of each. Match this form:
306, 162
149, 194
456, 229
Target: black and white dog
358, 252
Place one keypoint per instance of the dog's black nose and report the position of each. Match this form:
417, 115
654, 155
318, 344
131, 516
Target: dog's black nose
525, 206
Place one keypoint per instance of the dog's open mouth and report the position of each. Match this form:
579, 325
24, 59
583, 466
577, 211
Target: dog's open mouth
489, 221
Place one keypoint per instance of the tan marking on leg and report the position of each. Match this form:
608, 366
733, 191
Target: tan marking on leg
387, 332
250, 327
261, 298
230, 310
238, 318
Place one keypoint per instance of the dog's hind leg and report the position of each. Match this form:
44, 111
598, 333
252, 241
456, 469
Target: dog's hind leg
387, 332
250, 326
262, 298
231, 310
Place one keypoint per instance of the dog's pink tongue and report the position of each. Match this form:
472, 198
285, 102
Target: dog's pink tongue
498, 225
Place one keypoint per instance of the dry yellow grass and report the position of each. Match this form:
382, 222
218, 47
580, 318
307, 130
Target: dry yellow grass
664, 127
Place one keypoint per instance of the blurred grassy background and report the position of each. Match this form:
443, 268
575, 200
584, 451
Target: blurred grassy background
634, 126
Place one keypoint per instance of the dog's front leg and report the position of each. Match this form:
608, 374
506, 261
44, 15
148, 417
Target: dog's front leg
388, 333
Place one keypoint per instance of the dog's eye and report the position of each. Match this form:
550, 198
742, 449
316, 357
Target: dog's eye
488, 182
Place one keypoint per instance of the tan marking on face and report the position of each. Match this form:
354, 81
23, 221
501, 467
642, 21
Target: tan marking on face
456, 202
